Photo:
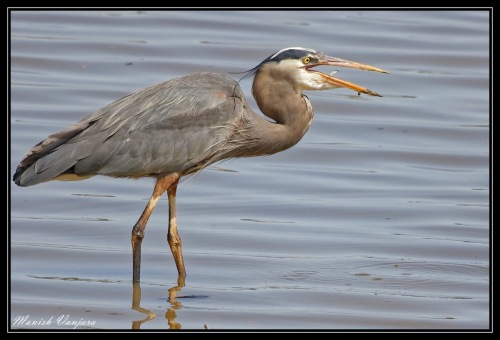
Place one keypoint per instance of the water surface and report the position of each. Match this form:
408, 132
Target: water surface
377, 219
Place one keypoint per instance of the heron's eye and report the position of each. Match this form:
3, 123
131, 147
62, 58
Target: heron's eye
306, 60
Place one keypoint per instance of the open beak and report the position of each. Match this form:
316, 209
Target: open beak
331, 61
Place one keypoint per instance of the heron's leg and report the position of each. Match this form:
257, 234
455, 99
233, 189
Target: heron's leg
163, 183
174, 239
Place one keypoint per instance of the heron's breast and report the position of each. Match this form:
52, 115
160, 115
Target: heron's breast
309, 110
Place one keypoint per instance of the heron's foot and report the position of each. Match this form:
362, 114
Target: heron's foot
181, 281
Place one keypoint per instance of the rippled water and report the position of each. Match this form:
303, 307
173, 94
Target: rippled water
377, 219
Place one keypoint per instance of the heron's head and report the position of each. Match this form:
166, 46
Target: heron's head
293, 66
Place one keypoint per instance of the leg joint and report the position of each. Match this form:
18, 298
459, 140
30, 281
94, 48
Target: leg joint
138, 232
174, 240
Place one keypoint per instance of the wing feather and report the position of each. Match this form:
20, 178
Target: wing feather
163, 128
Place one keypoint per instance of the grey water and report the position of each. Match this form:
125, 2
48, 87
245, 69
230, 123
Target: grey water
377, 219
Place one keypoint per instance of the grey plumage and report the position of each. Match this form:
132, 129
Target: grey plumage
162, 128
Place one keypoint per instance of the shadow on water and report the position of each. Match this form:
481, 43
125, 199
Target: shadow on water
169, 315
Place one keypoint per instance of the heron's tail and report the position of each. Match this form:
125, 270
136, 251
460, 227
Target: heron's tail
43, 162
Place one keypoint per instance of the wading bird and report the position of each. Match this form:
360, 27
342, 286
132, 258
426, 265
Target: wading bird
181, 126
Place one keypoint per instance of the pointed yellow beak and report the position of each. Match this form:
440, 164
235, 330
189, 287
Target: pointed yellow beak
331, 61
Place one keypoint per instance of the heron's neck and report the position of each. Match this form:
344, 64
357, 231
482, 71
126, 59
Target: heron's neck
291, 111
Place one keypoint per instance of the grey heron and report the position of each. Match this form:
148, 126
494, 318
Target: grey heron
179, 127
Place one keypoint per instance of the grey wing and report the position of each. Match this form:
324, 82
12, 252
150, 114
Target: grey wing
164, 128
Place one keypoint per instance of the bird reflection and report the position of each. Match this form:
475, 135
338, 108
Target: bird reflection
169, 315
136, 300
172, 294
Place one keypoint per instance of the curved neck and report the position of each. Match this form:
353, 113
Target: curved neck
291, 111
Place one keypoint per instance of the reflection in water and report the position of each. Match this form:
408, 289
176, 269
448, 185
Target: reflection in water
169, 315
136, 300
172, 294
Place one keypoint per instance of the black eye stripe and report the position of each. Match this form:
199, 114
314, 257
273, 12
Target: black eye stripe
291, 54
